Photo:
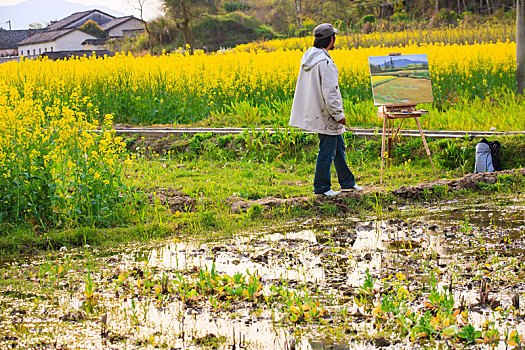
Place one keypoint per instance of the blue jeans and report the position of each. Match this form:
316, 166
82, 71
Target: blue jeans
331, 149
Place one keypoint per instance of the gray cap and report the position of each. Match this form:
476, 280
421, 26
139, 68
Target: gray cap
324, 31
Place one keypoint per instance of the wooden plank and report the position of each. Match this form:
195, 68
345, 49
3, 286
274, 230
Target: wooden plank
360, 132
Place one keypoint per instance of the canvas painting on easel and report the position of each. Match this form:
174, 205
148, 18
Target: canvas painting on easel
401, 79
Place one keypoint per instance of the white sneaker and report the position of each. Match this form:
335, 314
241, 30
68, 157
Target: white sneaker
331, 193
356, 187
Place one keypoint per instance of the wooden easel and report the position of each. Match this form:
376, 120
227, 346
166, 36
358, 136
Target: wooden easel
390, 114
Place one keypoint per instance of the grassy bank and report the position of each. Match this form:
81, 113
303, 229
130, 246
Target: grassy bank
192, 185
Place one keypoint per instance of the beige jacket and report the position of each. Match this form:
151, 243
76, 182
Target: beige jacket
317, 104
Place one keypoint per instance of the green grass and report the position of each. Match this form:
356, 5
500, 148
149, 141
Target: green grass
500, 109
218, 168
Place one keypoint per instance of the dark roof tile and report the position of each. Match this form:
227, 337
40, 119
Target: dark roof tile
68, 20
115, 22
9, 39
99, 41
75, 17
46, 36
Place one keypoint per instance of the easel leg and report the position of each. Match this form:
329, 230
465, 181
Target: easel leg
390, 144
383, 142
426, 146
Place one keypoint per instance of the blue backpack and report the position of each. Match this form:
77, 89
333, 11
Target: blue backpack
487, 156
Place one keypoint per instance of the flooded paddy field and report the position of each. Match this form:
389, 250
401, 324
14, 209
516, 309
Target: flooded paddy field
451, 274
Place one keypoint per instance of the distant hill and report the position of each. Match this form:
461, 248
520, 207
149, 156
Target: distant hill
39, 11
405, 62
400, 62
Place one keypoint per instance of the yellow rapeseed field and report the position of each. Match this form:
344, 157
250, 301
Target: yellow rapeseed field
487, 33
56, 170
178, 88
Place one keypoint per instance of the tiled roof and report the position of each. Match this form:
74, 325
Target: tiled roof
46, 36
75, 17
99, 41
115, 22
9, 39
68, 20
65, 26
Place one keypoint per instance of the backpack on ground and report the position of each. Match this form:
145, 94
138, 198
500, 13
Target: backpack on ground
487, 156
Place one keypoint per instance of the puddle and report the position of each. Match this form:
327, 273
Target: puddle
277, 256
511, 217
146, 297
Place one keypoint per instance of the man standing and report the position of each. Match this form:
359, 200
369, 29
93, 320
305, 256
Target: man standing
318, 107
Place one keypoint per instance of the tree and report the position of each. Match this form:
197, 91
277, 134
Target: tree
36, 25
280, 15
520, 44
140, 5
91, 27
298, 13
184, 12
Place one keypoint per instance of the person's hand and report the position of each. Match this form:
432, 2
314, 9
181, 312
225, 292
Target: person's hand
342, 121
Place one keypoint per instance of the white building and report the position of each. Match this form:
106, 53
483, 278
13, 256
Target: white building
123, 27
118, 28
64, 35
56, 40
9, 40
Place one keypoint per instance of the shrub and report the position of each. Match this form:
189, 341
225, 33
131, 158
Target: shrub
223, 141
230, 30
400, 17
303, 32
196, 143
448, 16
340, 25
232, 6
454, 155
309, 24
368, 18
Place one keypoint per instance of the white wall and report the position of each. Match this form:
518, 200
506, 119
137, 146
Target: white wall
36, 49
69, 42
72, 41
8, 52
92, 47
131, 24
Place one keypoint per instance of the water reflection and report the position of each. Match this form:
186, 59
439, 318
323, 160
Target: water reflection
286, 256
136, 319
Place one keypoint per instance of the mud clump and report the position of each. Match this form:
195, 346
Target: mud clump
239, 204
467, 182
156, 144
172, 199
340, 202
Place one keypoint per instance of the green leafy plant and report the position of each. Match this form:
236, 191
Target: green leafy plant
469, 334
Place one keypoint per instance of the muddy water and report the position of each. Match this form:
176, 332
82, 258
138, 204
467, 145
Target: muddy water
273, 256
106, 301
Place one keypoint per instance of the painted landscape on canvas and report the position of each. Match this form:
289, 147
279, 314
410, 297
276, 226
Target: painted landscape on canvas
402, 79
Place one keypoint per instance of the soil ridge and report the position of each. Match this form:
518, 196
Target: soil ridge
177, 201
